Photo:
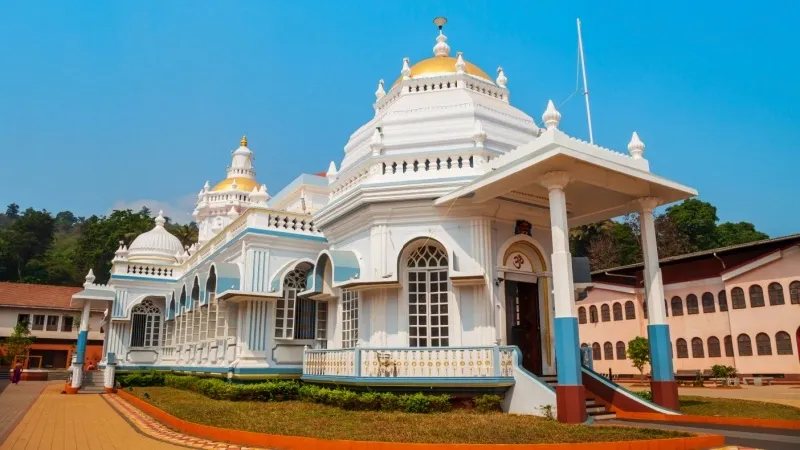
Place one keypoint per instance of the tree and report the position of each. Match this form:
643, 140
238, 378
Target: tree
186, 233
639, 354
670, 239
65, 220
12, 211
729, 233
697, 221
19, 342
28, 238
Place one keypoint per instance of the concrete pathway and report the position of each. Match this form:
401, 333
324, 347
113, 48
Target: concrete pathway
15, 400
760, 438
783, 394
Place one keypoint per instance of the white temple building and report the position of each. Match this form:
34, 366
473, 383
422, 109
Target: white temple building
434, 254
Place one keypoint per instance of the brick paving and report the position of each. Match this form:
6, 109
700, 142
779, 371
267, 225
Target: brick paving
15, 401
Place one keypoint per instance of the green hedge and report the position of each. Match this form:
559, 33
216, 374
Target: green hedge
151, 378
647, 395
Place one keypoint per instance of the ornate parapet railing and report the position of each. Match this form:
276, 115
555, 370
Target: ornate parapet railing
386, 364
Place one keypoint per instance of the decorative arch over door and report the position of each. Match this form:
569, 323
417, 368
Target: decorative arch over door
519, 255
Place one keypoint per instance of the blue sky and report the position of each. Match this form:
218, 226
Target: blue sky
106, 104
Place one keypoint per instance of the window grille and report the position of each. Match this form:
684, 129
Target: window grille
608, 351
630, 310
683, 349
146, 320
756, 296
728, 346
745, 347
593, 314
52, 323
349, 318
596, 352
794, 292
581, 315
708, 303
677, 306
293, 282
763, 344
722, 300
38, 322
605, 313
617, 311
697, 348
322, 324
306, 318
775, 291
783, 342
428, 299
713, 347
620, 350
737, 296
691, 304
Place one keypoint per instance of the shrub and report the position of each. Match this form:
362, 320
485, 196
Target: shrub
151, 378
439, 403
488, 403
646, 395
389, 402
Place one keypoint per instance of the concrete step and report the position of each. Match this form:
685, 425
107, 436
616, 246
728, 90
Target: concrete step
601, 416
91, 390
58, 376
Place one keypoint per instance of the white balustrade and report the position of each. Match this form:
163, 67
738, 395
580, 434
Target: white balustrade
329, 362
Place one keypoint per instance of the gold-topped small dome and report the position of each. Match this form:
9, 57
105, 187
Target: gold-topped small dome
443, 65
242, 184
243, 142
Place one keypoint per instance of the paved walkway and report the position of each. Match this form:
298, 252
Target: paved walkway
15, 401
783, 394
760, 438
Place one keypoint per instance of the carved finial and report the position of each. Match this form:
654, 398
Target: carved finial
207, 186
160, 221
441, 48
331, 172
232, 213
502, 81
461, 66
479, 135
234, 185
406, 72
243, 142
89, 278
636, 146
376, 142
380, 92
551, 116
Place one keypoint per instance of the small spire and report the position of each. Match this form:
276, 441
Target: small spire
376, 142
479, 135
207, 186
636, 146
441, 48
331, 172
406, 72
243, 142
551, 116
89, 278
232, 213
160, 221
234, 185
380, 92
502, 81
461, 66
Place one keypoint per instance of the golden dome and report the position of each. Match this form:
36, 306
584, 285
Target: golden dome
439, 65
242, 184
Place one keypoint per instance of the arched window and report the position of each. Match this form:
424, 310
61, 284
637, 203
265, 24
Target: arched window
722, 299
350, 318
728, 346
794, 292
683, 349
737, 296
745, 347
605, 313
581, 315
756, 296
169, 324
428, 299
644, 309
763, 344
608, 351
146, 322
691, 304
617, 311
593, 314
708, 303
697, 348
677, 306
783, 342
196, 314
620, 350
596, 352
713, 347
293, 282
630, 310
775, 291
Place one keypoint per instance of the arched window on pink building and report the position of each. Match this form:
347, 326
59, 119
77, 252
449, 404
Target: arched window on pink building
728, 346
596, 352
756, 296
763, 344
682, 348
605, 313
722, 299
593, 314
617, 309
691, 304
620, 350
581, 315
677, 306
745, 346
708, 303
775, 291
697, 348
713, 347
608, 351
630, 310
783, 342
794, 292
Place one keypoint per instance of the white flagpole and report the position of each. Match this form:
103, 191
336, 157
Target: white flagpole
585, 83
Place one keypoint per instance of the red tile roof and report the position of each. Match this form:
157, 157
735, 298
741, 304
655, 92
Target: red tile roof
36, 295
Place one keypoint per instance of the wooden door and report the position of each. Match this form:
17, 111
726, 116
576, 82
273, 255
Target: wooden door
522, 319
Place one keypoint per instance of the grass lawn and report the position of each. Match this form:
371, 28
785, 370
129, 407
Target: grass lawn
327, 422
726, 407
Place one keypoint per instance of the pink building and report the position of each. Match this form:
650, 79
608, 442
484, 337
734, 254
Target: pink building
736, 306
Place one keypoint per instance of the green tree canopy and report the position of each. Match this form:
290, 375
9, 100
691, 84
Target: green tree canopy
639, 353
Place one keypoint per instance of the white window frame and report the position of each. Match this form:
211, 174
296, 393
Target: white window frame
286, 305
349, 318
152, 326
428, 296
321, 325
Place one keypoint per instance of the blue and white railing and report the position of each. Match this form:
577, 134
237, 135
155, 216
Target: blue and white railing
407, 362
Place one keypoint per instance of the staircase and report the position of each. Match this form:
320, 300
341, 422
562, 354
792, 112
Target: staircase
594, 409
93, 382
5, 374
58, 375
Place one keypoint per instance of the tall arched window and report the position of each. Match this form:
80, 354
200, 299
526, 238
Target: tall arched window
617, 311
775, 291
713, 347
677, 306
169, 324
605, 313
593, 314
691, 304
620, 350
737, 296
213, 305
630, 310
728, 346
608, 351
682, 348
763, 344
783, 342
596, 352
146, 323
745, 347
285, 307
349, 318
581, 315
708, 303
697, 348
428, 299
722, 299
794, 292
756, 296
197, 313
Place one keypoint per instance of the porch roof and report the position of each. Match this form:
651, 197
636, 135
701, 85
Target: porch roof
604, 183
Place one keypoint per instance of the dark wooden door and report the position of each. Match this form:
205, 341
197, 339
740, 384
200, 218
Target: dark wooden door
522, 320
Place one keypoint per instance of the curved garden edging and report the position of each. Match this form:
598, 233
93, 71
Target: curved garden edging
250, 438
735, 421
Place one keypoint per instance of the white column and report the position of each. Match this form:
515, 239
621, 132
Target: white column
80, 351
563, 290
654, 286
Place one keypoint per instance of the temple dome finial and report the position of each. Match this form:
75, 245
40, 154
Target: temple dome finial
243, 142
441, 48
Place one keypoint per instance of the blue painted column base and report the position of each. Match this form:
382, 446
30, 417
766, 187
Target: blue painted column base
570, 393
80, 351
662, 382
